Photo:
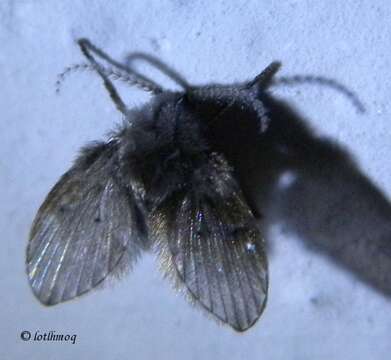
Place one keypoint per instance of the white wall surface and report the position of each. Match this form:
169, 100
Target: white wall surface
317, 307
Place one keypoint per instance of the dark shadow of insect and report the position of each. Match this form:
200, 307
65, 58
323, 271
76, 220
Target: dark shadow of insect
190, 175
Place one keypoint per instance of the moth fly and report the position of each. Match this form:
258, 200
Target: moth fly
166, 180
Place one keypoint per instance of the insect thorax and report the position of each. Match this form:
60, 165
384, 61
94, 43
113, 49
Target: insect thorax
167, 144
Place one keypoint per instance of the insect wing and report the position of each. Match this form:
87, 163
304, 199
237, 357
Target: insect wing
82, 229
214, 247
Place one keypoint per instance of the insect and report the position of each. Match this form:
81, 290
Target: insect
166, 180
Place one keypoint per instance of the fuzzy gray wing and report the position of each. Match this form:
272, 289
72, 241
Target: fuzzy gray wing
212, 244
82, 230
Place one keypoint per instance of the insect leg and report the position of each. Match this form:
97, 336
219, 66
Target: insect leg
86, 47
264, 79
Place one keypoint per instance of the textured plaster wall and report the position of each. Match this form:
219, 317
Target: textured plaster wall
327, 222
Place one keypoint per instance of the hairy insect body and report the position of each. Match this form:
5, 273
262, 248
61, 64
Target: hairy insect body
166, 181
